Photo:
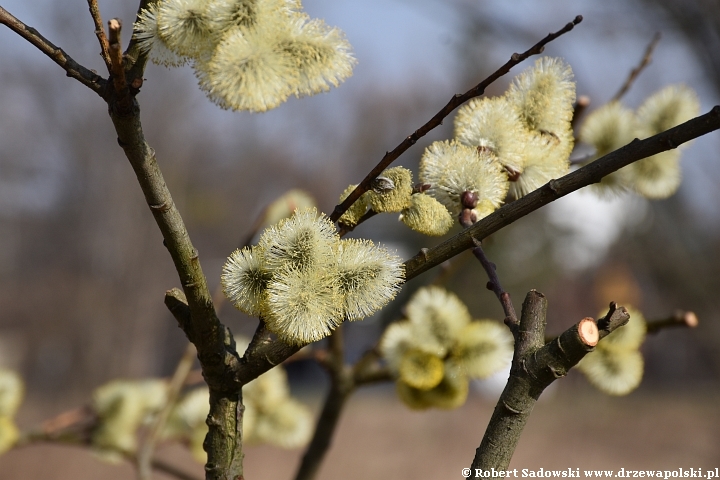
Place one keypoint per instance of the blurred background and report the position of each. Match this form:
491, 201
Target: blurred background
83, 270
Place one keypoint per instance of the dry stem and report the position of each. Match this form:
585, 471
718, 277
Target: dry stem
100, 33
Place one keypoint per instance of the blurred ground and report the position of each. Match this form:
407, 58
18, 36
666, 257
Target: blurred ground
379, 438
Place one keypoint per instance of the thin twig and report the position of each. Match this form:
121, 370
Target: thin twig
74, 428
117, 67
100, 33
73, 69
635, 72
147, 448
341, 386
493, 284
678, 319
455, 102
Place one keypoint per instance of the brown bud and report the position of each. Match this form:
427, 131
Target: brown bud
421, 187
469, 199
467, 217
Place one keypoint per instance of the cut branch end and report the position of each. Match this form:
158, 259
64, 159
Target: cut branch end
588, 331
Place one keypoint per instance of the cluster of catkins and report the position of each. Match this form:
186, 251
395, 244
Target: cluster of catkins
271, 415
247, 54
12, 391
122, 407
616, 365
613, 126
514, 143
303, 280
438, 348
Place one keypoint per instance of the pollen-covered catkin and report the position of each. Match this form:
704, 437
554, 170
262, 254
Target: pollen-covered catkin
367, 276
394, 193
427, 216
452, 168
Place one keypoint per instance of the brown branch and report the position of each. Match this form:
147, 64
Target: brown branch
678, 319
218, 359
117, 66
587, 175
100, 33
263, 354
535, 366
454, 102
341, 387
493, 284
615, 318
74, 427
635, 72
147, 448
73, 69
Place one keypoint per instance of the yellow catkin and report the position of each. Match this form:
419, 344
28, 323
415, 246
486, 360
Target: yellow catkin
396, 194
483, 348
492, 124
244, 280
427, 216
368, 277
452, 168
613, 372
353, 214
420, 369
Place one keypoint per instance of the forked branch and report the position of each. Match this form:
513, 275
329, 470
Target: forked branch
535, 365
73, 69
435, 121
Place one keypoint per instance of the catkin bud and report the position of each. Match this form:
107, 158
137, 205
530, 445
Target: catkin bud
427, 216
392, 191
353, 214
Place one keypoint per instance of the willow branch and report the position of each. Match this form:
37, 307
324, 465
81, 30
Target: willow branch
678, 319
263, 353
74, 428
535, 366
147, 448
493, 284
117, 68
435, 121
73, 69
218, 359
635, 72
341, 387
345, 229
587, 175
100, 33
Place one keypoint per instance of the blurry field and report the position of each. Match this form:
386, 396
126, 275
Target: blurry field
379, 438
